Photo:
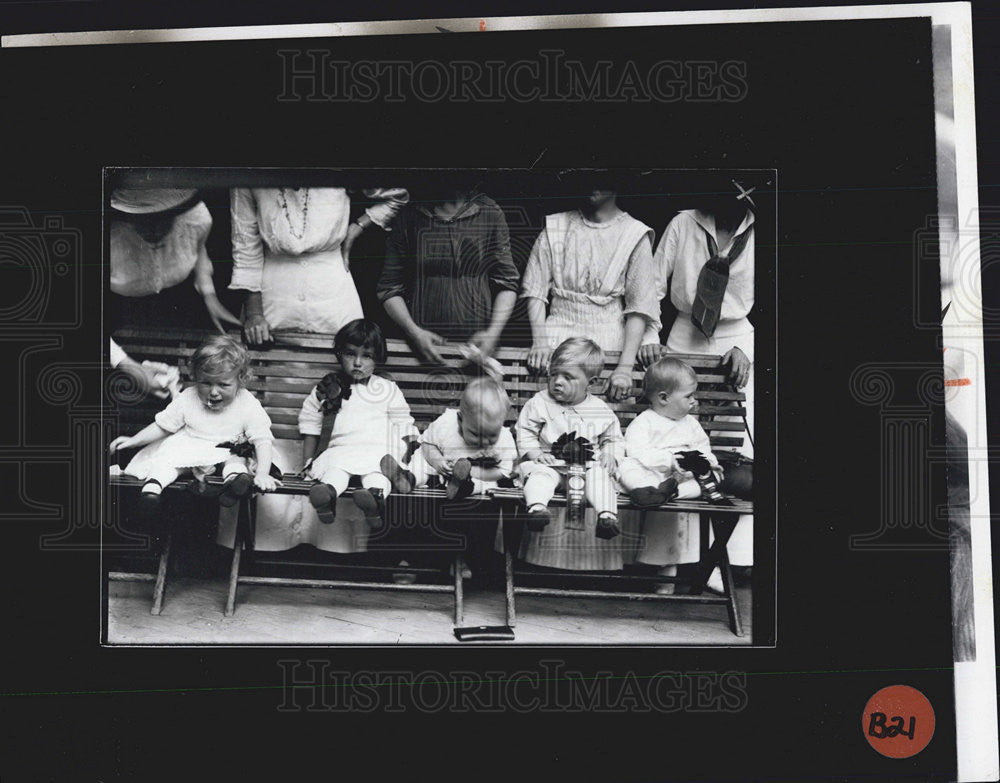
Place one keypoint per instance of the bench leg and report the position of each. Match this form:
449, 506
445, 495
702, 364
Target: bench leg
234, 570
730, 588
509, 584
161, 577
459, 596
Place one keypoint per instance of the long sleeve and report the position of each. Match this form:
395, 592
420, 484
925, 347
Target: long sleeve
663, 268
390, 202
248, 247
396, 268
529, 426
400, 418
311, 416
538, 272
639, 444
611, 440
507, 453
500, 269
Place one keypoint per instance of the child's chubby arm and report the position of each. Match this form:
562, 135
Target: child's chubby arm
436, 459
264, 452
611, 444
310, 427
143, 437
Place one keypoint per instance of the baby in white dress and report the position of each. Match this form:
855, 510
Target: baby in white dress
188, 436
366, 417
469, 447
657, 438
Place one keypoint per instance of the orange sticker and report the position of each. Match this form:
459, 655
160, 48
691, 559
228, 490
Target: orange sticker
898, 721
482, 24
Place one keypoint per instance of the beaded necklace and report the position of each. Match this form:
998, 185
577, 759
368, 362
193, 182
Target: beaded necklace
288, 217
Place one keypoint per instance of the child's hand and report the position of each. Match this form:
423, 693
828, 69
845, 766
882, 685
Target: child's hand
439, 463
547, 459
608, 462
121, 442
266, 483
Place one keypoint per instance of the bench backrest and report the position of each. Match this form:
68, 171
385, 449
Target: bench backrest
285, 374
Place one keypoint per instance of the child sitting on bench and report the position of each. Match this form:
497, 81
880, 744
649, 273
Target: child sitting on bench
200, 428
349, 421
668, 454
469, 448
566, 409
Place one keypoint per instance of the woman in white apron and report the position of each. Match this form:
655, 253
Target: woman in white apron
723, 228
592, 267
291, 248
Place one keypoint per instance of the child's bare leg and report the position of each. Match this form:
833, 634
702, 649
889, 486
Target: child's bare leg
600, 492
539, 488
323, 496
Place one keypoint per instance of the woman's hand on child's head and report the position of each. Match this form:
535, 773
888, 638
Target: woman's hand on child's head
649, 354
266, 483
256, 329
739, 366
619, 386
485, 341
426, 343
121, 442
538, 359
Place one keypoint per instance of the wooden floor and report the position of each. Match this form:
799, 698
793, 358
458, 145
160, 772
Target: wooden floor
192, 614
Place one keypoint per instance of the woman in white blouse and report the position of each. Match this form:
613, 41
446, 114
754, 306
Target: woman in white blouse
291, 249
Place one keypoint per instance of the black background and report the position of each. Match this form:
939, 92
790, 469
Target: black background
843, 111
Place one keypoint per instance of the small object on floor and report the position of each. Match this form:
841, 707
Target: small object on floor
538, 518
372, 505
401, 479
404, 577
460, 484
607, 526
485, 633
323, 498
235, 489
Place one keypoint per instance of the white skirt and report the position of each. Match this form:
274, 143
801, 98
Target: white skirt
179, 451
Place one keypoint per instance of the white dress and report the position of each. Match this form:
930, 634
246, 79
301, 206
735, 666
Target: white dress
679, 258
371, 423
287, 246
670, 537
197, 431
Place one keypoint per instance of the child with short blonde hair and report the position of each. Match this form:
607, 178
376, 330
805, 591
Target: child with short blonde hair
659, 440
188, 436
564, 407
470, 448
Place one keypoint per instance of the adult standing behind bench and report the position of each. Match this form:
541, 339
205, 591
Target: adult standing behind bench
291, 253
705, 259
593, 269
448, 272
291, 250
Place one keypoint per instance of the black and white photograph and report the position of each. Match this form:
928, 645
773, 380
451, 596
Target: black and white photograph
482, 383
393, 387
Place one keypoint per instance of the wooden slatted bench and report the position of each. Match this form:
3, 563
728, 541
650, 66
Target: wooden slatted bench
285, 374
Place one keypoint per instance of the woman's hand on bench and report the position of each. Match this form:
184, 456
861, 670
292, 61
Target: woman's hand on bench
538, 359
739, 366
